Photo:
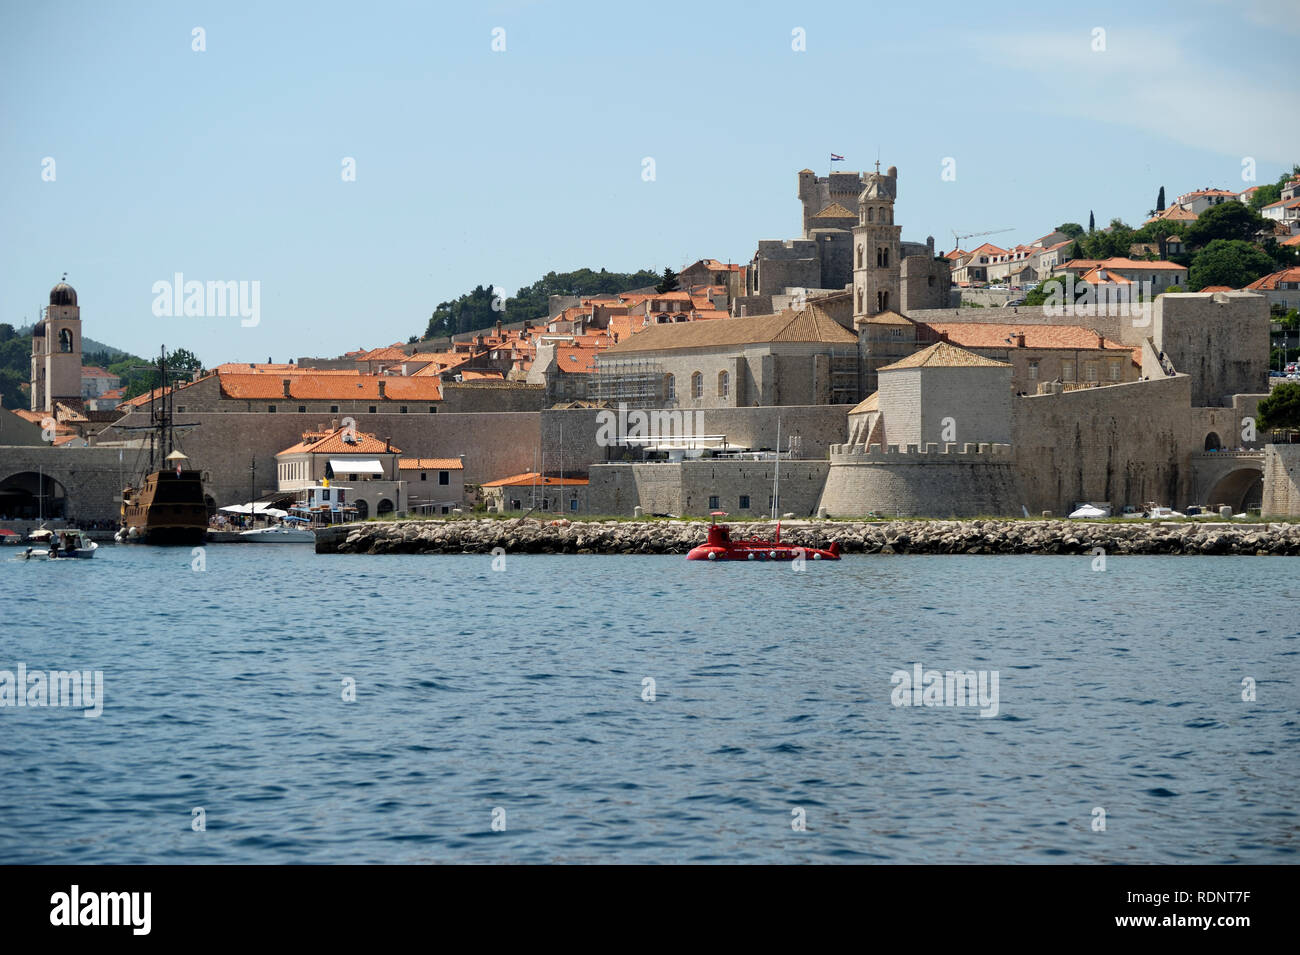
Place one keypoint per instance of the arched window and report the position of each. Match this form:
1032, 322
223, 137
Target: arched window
363, 509
65, 340
385, 507
724, 384
1212, 442
697, 385
670, 387
859, 300
871, 215
859, 256
882, 257
882, 301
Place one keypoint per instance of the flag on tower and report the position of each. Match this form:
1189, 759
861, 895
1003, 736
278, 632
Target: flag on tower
835, 158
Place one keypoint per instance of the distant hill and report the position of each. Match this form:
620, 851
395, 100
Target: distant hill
88, 345
473, 310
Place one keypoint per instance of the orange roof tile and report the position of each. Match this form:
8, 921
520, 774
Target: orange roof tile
534, 478
996, 335
1270, 282
336, 442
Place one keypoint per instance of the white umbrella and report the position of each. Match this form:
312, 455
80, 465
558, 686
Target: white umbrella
255, 509
1088, 511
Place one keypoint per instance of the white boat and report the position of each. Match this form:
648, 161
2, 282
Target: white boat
1160, 512
1088, 511
278, 534
64, 545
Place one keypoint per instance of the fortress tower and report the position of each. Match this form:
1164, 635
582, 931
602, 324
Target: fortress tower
56, 352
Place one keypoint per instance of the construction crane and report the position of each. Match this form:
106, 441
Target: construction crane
971, 235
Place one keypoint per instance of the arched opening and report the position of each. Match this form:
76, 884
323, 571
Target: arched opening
1240, 490
29, 495
363, 509
871, 215
670, 387
859, 256
1212, 442
385, 507
697, 385
65, 340
724, 384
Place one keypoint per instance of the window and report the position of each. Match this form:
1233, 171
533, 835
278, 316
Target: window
1090, 371
859, 300
697, 385
871, 215
859, 256
180, 409
1067, 371
724, 384
372, 409
713, 502
325, 495
65, 340
573, 504
352, 477
670, 387
424, 476
546, 504
1033, 370
744, 502
302, 409
334, 409
515, 505
1116, 369
402, 410
882, 257
882, 301
444, 478
433, 409
270, 409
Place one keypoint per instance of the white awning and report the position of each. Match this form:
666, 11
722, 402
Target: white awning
357, 466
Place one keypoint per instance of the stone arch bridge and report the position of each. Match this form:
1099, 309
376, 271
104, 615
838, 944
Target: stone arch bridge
1235, 478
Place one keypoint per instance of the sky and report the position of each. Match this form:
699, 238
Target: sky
127, 156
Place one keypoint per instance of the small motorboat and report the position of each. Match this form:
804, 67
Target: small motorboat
278, 534
721, 546
64, 545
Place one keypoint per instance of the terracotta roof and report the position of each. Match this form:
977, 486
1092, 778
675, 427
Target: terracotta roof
1218, 288
870, 403
945, 355
1294, 240
889, 318
430, 464
1175, 213
835, 211
330, 387
332, 442
1270, 282
94, 371
995, 335
808, 325
534, 478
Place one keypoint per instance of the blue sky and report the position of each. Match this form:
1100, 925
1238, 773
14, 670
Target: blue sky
475, 166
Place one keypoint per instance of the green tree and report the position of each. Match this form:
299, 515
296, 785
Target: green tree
1054, 287
1072, 229
1076, 250
6, 332
1229, 262
1280, 411
669, 282
12, 393
1227, 220
1092, 222
1160, 200
1112, 242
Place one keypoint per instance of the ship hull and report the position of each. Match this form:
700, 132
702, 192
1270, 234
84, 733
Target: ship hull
168, 510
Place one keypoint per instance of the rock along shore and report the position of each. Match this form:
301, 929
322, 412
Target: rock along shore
529, 536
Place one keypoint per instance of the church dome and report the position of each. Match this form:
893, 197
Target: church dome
63, 294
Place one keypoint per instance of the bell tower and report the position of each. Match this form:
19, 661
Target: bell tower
56, 352
877, 248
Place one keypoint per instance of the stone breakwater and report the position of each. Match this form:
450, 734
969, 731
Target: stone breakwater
528, 536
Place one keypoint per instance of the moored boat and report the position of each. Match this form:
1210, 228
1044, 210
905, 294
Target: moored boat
278, 534
64, 545
721, 546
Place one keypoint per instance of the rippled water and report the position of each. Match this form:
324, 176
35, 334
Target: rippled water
522, 691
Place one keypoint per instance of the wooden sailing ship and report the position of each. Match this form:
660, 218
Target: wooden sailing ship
166, 505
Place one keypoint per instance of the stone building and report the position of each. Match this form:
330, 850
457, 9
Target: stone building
793, 358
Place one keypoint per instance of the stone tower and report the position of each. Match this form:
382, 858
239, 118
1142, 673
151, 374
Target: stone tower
877, 253
56, 352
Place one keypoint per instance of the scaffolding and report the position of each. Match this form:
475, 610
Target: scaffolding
634, 382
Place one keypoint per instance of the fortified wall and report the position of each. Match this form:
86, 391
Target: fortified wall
694, 488
949, 480
1281, 480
